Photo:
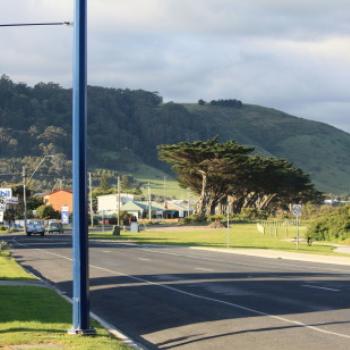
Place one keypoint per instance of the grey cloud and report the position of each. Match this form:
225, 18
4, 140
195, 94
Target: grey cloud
292, 55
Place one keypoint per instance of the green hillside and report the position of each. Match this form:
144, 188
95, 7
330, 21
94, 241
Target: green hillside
126, 126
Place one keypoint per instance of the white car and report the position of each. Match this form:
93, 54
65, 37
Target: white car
35, 229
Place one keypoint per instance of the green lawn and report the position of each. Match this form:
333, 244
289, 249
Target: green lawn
37, 316
238, 236
9, 270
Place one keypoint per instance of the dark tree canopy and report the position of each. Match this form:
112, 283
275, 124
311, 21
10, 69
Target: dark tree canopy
223, 172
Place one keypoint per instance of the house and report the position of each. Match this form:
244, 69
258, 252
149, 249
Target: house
108, 204
177, 209
58, 199
140, 209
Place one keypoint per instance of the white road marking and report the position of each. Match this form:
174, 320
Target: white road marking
202, 297
144, 259
320, 287
106, 251
203, 269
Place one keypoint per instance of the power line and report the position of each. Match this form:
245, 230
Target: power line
66, 23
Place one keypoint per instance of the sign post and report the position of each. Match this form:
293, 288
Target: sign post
297, 210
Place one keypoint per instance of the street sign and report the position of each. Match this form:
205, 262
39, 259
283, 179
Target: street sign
5, 192
65, 215
296, 210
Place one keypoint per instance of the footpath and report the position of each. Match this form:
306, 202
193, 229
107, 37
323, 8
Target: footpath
280, 254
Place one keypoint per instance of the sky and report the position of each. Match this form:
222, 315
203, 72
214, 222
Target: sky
292, 55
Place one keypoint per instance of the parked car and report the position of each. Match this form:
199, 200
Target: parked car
35, 228
54, 227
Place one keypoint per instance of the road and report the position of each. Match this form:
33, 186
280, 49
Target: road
177, 298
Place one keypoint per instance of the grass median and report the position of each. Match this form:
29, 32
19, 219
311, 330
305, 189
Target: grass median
38, 318
238, 236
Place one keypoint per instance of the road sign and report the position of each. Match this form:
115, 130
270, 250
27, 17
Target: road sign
5, 192
296, 210
65, 215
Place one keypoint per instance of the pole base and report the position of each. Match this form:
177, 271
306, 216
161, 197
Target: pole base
77, 331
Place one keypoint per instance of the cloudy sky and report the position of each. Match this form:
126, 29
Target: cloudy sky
289, 54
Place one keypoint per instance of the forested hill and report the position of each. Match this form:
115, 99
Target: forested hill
126, 126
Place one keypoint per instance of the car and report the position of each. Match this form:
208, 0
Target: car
35, 228
54, 227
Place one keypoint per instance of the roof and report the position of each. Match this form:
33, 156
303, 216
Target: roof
141, 206
55, 191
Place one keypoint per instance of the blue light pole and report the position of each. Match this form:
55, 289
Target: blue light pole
81, 324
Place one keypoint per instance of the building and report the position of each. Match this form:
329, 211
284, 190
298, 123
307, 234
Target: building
108, 204
58, 199
177, 209
140, 209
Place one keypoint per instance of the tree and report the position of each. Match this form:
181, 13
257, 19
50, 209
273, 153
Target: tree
228, 172
47, 212
104, 183
206, 167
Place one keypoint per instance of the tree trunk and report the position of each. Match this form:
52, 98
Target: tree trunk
203, 198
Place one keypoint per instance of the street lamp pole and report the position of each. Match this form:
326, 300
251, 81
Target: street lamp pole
81, 322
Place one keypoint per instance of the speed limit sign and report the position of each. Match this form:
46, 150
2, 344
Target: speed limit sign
296, 210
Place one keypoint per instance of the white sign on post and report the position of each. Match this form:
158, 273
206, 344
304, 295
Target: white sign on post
6, 193
296, 210
1, 217
65, 215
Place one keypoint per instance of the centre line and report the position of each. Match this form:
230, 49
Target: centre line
203, 269
320, 287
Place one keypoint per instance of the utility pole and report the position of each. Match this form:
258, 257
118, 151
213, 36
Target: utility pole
90, 200
188, 204
164, 188
119, 201
149, 203
24, 175
81, 314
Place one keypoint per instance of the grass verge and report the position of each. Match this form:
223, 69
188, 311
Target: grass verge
238, 236
38, 318
10, 270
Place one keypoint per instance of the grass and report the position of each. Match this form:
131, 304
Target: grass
238, 236
10, 270
37, 316
172, 188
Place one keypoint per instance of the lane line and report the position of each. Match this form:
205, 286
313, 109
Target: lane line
144, 259
320, 287
203, 269
106, 251
203, 297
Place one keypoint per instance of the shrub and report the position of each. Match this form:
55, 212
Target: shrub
333, 225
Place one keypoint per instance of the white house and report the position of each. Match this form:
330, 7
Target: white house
108, 204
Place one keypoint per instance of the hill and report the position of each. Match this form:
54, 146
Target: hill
126, 126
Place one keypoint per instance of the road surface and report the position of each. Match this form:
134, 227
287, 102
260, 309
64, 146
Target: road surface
177, 298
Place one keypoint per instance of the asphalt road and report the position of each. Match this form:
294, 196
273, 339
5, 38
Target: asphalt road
178, 298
